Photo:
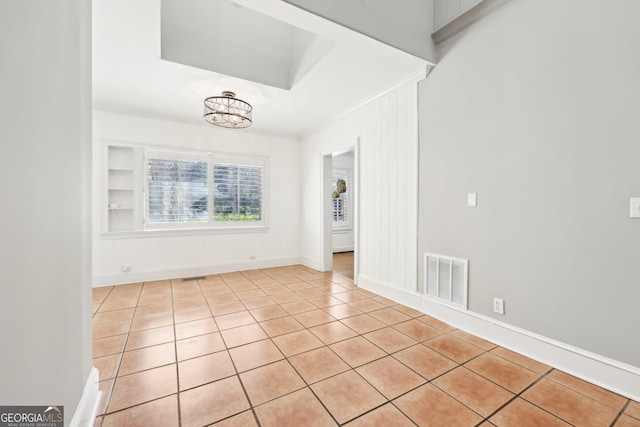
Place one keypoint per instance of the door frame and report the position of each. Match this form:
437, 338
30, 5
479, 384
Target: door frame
326, 233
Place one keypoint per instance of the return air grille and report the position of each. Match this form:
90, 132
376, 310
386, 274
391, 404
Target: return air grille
445, 279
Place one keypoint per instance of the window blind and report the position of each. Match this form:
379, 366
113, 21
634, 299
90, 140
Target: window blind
177, 191
237, 192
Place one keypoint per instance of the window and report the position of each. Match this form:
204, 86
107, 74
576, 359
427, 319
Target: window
340, 195
237, 191
202, 191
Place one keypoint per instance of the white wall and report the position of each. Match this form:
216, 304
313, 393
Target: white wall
45, 161
343, 240
388, 142
174, 256
536, 109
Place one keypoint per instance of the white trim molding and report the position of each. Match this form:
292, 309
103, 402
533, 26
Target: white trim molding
189, 271
607, 373
87, 410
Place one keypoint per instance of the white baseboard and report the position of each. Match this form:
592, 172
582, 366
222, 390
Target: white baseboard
87, 410
607, 373
188, 271
311, 263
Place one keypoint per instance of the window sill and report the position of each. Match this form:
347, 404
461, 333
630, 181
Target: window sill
141, 234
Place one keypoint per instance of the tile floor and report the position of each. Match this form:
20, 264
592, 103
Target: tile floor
343, 263
294, 347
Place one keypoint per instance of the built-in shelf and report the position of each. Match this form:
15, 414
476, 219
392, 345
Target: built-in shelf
120, 188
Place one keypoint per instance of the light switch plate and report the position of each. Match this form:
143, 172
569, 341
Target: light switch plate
472, 200
635, 207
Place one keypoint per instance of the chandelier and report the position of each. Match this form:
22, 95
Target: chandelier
227, 111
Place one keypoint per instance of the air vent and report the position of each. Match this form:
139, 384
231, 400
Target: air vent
189, 279
445, 279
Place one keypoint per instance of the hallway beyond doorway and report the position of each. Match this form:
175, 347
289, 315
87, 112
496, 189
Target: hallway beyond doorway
343, 264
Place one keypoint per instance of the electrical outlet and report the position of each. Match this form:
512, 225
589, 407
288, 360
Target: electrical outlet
498, 305
125, 268
252, 257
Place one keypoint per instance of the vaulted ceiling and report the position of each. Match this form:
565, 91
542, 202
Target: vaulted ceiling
161, 58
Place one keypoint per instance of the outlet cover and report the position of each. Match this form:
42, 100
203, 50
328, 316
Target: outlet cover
472, 200
498, 305
635, 207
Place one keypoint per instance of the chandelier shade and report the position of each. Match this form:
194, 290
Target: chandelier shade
227, 111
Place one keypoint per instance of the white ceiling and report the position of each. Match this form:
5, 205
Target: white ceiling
130, 77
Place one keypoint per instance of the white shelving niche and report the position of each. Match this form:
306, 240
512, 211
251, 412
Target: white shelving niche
122, 194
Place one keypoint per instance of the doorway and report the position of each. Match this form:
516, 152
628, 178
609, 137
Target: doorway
340, 210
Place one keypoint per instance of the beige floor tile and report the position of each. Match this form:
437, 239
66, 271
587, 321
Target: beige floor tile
507, 374
195, 328
428, 363
432, 321
357, 351
107, 365
212, 402
387, 415
297, 342
110, 329
390, 340
222, 309
281, 326
296, 307
476, 392
319, 364
155, 413
523, 414
252, 293
205, 369
454, 348
627, 421
109, 345
234, 320
390, 377
149, 337
147, 358
417, 330
472, 339
411, 312
429, 406
199, 346
571, 406
521, 360
389, 316
363, 323
347, 396
270, 382
342, 311
134, 389
245, 419
297, 409
118, 305
367, 305
633, 409
243, 335
267, 313
330, 333
313, 318
607, 397
256, 354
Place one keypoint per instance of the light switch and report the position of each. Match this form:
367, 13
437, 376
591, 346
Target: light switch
472, 200
635, 207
